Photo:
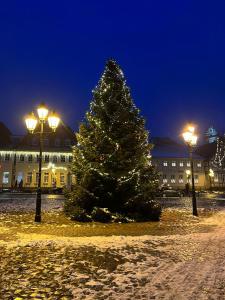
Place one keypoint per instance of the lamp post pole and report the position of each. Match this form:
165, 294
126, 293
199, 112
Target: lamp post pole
38, 198
31, 123
194, 201
191, 140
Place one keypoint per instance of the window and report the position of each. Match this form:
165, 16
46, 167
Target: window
181, 164
188, 164
173, 164
30, 158
37, 157
57, 142
62, 178
63, 158
29, 177
22, 157
54, 158
46, 175
36, 178
165, 164
164, 178
70, 158
46, 158
34, 141
46, 142
196, 178
172, 179
67, 142
181, 180
5, 177
7, 157
216, 179
199, 164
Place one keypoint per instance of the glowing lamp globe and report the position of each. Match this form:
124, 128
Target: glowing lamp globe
31, 122
193, 140
53, 120
187, 136
42, 112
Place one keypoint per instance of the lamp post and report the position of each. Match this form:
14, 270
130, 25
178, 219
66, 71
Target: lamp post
31, 122
191, 140
211, 177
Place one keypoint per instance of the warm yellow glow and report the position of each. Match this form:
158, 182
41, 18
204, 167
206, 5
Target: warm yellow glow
31, 122
211, 173
194, 140
188, 172
189, 136
53, 120
42, 112
191, 128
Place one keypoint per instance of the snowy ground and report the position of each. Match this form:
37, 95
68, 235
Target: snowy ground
182, 257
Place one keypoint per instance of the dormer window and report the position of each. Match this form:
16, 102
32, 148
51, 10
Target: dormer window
67, 142
57, 142
34, 141
46, 142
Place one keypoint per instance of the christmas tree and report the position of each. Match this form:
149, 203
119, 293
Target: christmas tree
112, 161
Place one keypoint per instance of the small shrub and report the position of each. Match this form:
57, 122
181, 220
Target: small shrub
141, 210
79, 214
101, 215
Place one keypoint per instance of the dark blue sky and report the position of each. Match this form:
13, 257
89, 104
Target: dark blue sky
172, 53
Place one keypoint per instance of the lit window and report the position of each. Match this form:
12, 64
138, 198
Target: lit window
173, 164
165, 164
46, 175
29, 177
5, 177
181, 180
7, 157
188, 164
63, 158
199, 165
181, 164
54, 158
62, 178
30, 158
22, 157
37, 176
196, 178
164, 178
172, 179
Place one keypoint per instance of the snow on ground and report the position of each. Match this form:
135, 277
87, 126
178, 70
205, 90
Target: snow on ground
180, 264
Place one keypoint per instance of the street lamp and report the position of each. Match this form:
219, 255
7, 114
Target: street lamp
211, 177
191, 141
31, 122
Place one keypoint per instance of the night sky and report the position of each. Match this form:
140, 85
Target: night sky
172, 54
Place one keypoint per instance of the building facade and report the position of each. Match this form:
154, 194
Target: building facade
173, 164
19, 160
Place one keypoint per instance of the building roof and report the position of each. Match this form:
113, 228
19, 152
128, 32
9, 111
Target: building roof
60, 141
167, 148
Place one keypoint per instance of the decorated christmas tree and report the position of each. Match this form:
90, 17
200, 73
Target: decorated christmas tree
112, 161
